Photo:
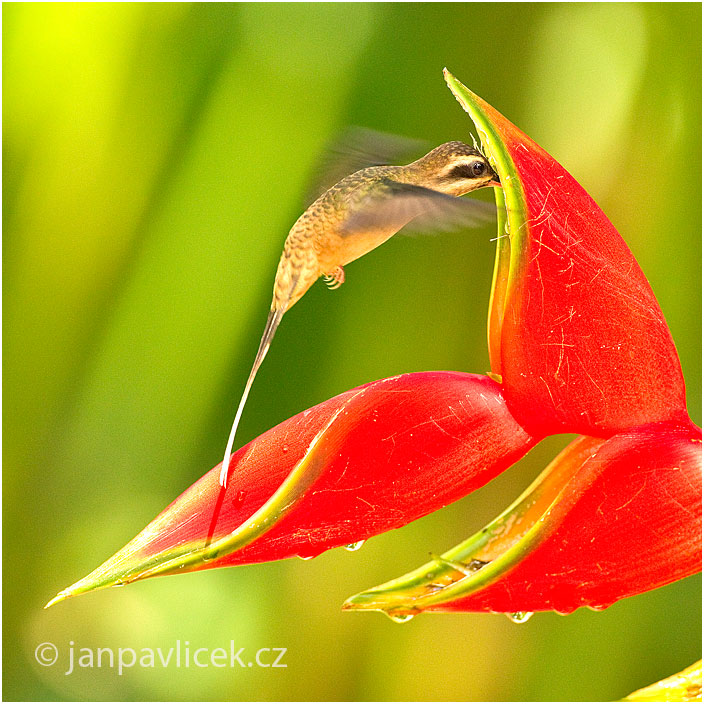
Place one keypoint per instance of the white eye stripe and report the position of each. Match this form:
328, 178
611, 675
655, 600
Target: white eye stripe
468, 161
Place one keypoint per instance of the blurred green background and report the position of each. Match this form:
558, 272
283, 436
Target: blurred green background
155, 157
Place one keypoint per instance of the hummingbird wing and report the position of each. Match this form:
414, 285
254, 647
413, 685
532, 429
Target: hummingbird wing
357, 148
416, 209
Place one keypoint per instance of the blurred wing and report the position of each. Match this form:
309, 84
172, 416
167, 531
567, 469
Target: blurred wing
357, 148
418, 210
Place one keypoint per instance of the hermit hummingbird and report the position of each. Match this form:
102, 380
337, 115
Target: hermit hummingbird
359, 213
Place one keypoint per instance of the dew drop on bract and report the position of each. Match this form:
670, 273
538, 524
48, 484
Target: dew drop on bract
520, 617
354, 546
285, 449
400, 617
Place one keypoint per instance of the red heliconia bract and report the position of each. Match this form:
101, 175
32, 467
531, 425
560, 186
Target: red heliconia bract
577, 344
428, 426
584, 345
367, 461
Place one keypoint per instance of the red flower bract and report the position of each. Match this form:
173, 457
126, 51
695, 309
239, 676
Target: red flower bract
584, 345
367, 461
577, 343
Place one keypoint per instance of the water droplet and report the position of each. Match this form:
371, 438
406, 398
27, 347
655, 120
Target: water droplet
285, 449
354, 546
305, 558
400, 616
520, 617
239, 498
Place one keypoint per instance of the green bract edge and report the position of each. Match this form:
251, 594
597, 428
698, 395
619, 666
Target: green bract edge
511, 206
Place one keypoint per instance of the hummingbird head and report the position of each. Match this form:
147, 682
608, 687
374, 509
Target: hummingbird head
456, 168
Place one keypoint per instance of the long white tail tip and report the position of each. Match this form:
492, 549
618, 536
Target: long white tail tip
224, 474
273, 319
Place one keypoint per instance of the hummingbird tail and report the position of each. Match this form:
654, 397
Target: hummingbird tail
273, 320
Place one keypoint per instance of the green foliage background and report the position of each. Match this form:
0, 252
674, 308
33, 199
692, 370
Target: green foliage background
155, 157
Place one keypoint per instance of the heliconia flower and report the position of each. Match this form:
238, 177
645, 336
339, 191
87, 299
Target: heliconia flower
577, 344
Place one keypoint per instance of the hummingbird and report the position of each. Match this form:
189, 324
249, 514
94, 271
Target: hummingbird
359, 213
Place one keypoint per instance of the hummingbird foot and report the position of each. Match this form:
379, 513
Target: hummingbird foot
335, 278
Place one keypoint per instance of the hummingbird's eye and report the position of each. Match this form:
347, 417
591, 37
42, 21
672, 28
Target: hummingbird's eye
467, 170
